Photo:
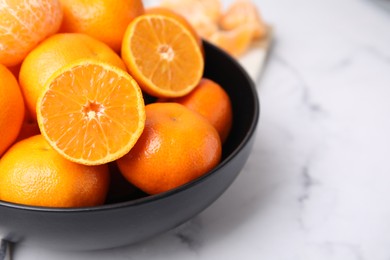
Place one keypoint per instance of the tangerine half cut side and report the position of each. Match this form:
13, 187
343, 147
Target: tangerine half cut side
91, 112
163, 55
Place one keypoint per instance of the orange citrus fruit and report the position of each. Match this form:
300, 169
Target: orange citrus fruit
90, 112
162, 55
175, 15
55, 52
12, 108
23, 25
105, 20
211, 101
177, 146
32, 173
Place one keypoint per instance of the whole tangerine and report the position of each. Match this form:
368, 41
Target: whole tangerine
32, 173
176, 147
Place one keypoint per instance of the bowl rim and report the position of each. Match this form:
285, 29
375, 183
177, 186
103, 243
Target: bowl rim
167, 194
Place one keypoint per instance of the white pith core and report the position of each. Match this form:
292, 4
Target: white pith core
92, 110
166, 52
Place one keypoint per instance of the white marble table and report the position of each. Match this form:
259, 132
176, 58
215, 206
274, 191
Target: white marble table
317, 185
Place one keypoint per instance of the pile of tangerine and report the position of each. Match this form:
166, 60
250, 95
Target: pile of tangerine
73, 77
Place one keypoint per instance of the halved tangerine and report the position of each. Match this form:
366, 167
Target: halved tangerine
163, 55
91, 112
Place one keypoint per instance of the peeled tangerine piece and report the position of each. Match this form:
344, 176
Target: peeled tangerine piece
202, 23
243, 12
235, 41
232, 30
202, 14
211, 8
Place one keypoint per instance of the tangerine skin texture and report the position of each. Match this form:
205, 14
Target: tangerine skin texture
105, 20
12, 109
176, 147
211, 101
34, 174
24, 24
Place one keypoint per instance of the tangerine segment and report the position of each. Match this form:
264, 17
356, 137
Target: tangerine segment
162, 55
235, 42
202, 14
244, 12
91, 113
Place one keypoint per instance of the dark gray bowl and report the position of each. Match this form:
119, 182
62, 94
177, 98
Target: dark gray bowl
128, 221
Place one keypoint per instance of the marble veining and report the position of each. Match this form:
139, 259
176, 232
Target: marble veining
189, 234
300, 83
